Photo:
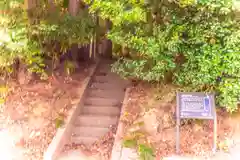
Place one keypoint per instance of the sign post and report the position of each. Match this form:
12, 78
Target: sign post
195, 105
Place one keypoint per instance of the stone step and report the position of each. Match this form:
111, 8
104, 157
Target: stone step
106, 64
105, 93
84, 131
109, 78
77, 154
103, 68
101, 110
102, 101
101, 73
108, 86
83, 140
96, 121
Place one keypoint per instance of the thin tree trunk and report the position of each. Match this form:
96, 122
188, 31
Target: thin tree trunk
30, 5
97, 39
51, 5
108, 52
73, 8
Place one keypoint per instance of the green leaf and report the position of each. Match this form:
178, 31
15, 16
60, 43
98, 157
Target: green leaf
130, 143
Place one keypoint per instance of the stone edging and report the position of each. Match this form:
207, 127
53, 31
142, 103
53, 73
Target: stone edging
117, 146
63, 133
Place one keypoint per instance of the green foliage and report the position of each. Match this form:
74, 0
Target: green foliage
3, 93
130, 143
14, 42
59, 122
137, 139
195, 42
31, 34
145, 152
69, 67
66, 29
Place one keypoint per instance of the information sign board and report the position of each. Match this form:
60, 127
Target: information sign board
195, 105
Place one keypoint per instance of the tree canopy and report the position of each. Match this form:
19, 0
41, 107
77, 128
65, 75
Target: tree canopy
194, 44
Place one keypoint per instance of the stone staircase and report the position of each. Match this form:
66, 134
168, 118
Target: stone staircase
101, 106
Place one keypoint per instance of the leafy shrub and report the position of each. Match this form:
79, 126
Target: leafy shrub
144, 150
30, 35
195, 43
3, 94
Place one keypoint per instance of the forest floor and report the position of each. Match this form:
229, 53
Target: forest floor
150, 119
32, 113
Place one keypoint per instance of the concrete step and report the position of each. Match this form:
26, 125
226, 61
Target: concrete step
102, 101
101, 110
106, 64
77, 154
108, 86
101, 93
85, 131
109, 78
96, 121
104, 69
104, 72
101, 73
83, 140
107, 61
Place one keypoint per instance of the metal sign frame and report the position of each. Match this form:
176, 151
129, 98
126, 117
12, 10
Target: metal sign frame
203, 113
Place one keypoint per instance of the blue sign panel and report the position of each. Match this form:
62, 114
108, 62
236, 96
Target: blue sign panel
196, 105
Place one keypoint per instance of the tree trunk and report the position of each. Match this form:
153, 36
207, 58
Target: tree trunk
73, 7
51, 5
30, 5
108, 42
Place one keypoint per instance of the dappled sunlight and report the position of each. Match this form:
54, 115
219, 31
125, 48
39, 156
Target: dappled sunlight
10, 149
4, 37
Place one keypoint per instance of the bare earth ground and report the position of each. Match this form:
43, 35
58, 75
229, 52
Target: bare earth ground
155, 107
32, 113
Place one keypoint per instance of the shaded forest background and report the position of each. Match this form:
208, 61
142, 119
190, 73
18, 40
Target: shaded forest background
193, 44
